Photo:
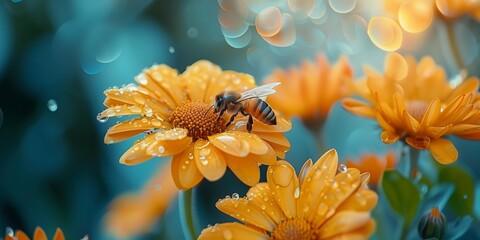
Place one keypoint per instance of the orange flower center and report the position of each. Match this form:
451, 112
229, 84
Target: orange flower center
198, 119
417, 109
295, 228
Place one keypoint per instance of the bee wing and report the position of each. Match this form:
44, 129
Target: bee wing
259, 92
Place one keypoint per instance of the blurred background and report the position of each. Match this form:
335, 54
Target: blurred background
58, 56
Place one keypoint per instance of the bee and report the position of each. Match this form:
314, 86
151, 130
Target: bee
249, 103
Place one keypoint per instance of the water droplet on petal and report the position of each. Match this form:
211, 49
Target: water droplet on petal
296, 194
282, 176
342, 6
9, 232
227, 234
52, 105
171, 49
161, 149
385, 33
342, 168
235, 196
101, 119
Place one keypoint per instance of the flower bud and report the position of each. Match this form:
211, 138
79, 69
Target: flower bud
433, 224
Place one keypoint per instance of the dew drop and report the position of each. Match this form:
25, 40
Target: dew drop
282, 176
342, 168
204, 160
296, 194
306, 208
192, 32
171, 49
9, 232
161, 149
342, 6
227, 234
52, 105
101, 119
235, 196
263, 207
142, 79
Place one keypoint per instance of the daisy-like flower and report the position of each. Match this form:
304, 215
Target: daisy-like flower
374, 165
311, 90
414, 102
319, 204
134, 214
39, 234
174, 113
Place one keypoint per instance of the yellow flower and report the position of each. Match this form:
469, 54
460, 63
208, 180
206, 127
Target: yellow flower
414, 102
134, 214
319, 204
374, 165
311, 90
176, 118
39, 234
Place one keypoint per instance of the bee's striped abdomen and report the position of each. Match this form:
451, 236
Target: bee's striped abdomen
260, 110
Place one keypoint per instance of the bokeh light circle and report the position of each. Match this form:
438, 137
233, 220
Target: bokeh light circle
302, 8
269, 21
415, 16
396, 66
286, 36
385, 33
241, 41
342, 6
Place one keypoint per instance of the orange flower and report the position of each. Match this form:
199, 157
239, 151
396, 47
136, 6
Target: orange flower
39, 234
134, 214
177, 121
374, 165
319, 204
414, 102
311, 90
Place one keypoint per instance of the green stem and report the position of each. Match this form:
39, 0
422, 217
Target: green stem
186, 214
414, 155
452, 40
315, 126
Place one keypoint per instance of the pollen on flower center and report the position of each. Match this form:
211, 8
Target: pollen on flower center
295, 228
198, 119
417, 109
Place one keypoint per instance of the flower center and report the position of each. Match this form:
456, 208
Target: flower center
198, 119
295, 228
417, 109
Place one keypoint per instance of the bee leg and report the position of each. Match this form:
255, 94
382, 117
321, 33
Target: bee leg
221, 114
233, 117
250, 120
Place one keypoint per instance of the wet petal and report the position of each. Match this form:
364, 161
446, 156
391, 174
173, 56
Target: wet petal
126, 110
279, 149
243, 210
283, 181
39, 234
256, 144
283, 125
228, 81
123, 96
245, 169
233, 231
138, 152
360, 233
432, 114
343, 222
167, 78
443, 151
184, 169
58, 235
170, 142
268, 158
277, 138
197, 78
361, 200
389, 137
210, 161
262, 197
230, 144
358, 108
320, 174
128, 129
161, 94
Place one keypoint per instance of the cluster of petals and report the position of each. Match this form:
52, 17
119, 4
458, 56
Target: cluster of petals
320, 203
39, 234
415, 102
173, 114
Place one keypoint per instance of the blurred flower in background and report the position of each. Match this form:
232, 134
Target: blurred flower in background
373, 164
39, 234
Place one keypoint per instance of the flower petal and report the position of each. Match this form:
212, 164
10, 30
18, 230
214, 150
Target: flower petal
277, 138
128, 129
358, 234
230, 144
138, 152
443, 151
256, 144
184, 170
268, 158
210, 161
58, 235
233, 231
262, 197
21, 235
244, 168
361, 200
39, 234
243, 210
343, 222
320, 174
228, 81
358, 108
128, 95
153, 108
167, 78
156, 91
282, 180
283, 125
389, 137
169, 142
432, 113
197, 78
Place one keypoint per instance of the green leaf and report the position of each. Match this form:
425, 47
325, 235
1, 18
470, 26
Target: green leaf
402, 194
462, 198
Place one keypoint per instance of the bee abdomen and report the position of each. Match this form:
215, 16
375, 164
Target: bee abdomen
261, 111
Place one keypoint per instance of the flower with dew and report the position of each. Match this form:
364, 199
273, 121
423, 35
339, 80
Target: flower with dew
133, 214
174, 114
311, 90
39, 234
319, 204
373, 164
414, 102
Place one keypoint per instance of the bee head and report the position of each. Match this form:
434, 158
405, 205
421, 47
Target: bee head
219, 103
